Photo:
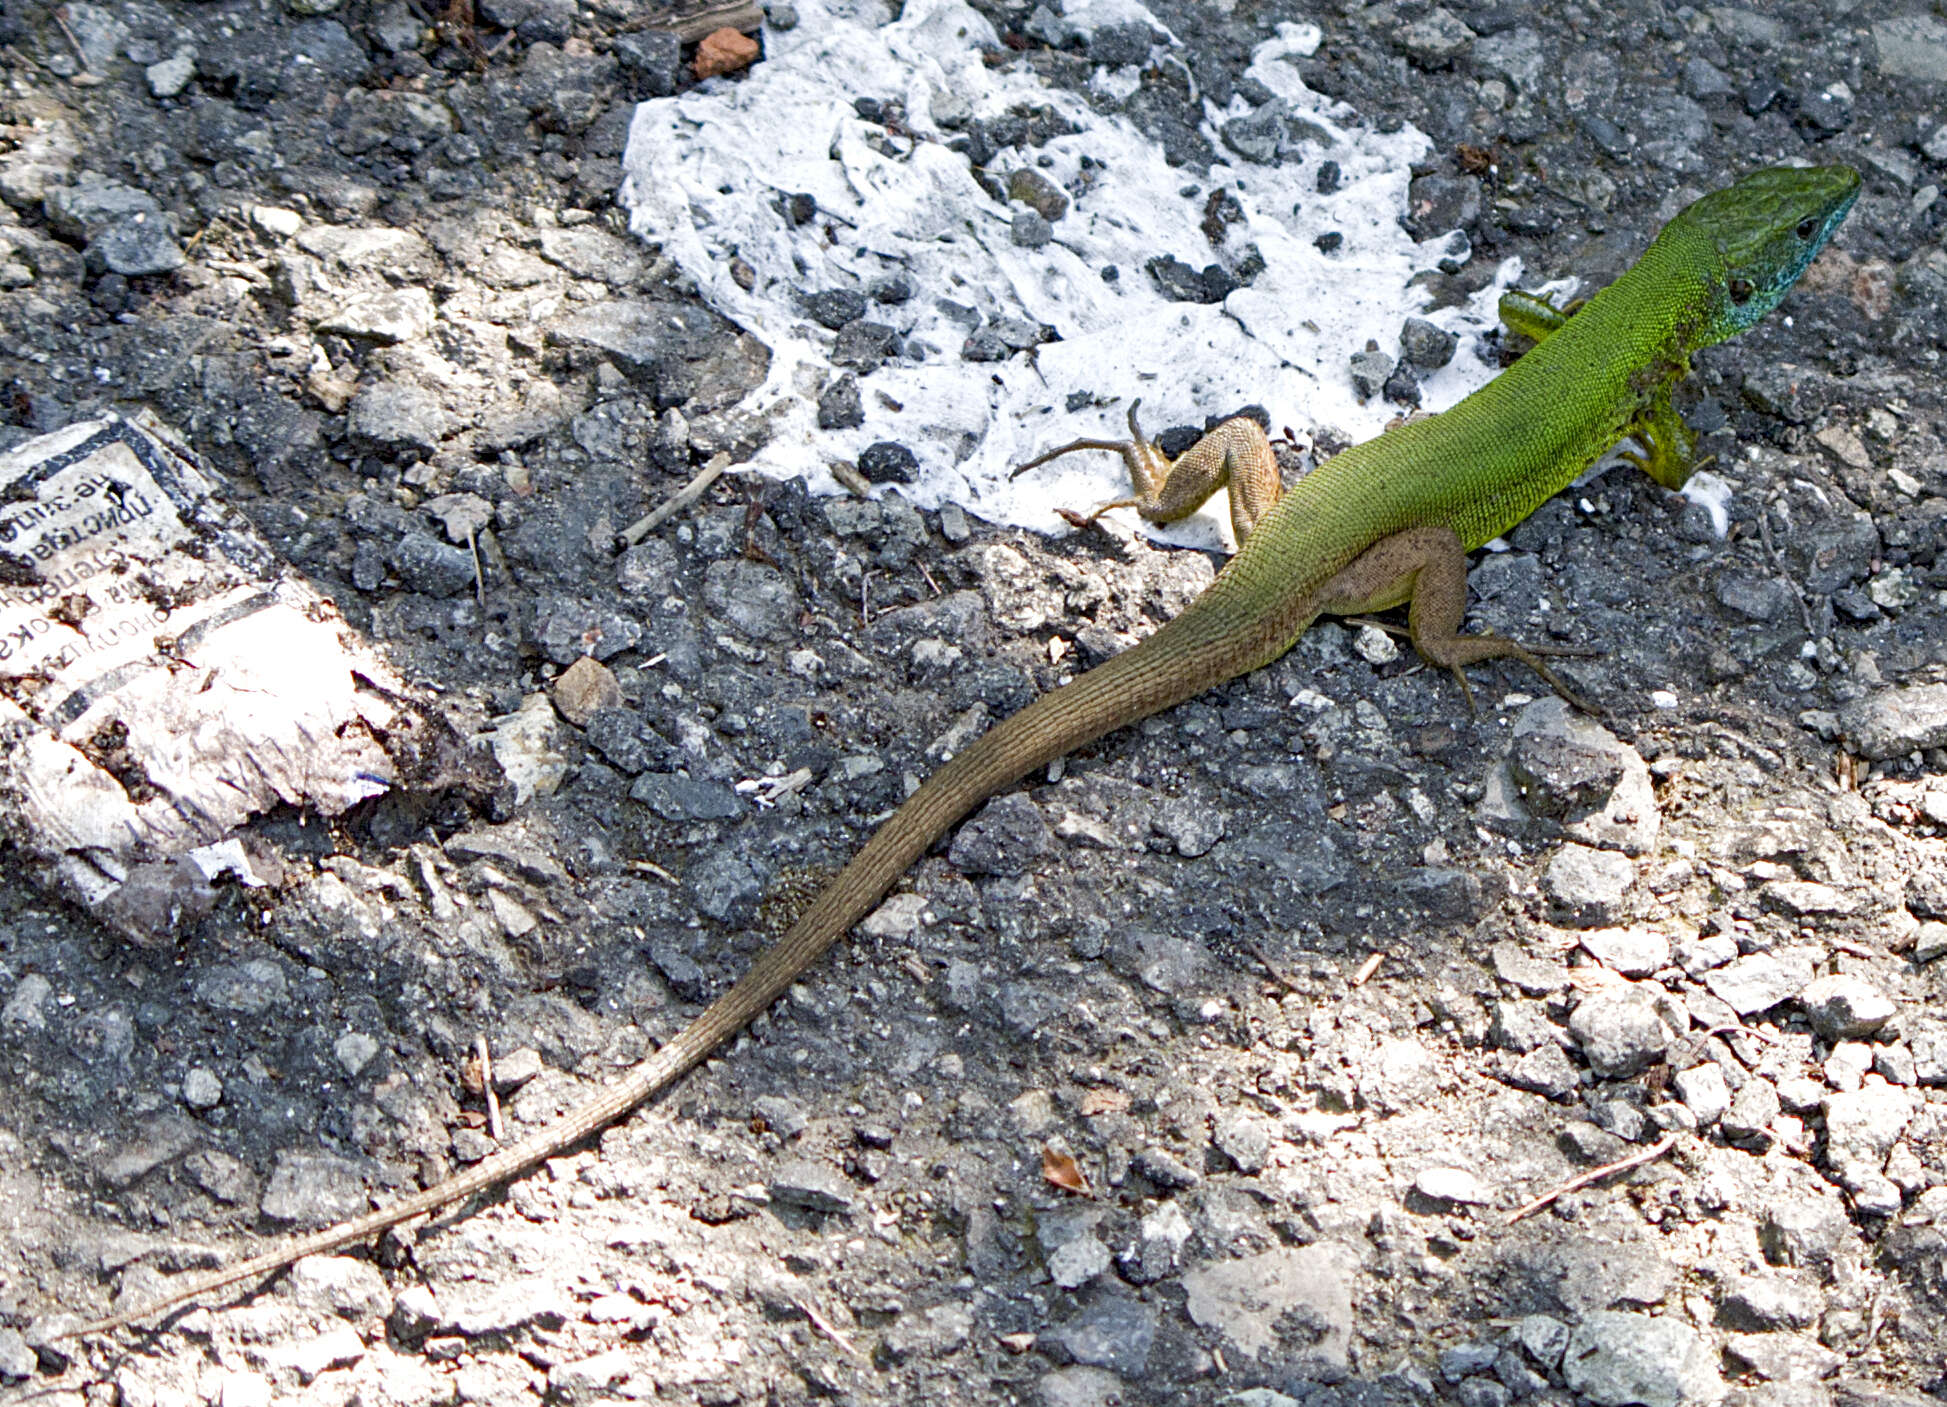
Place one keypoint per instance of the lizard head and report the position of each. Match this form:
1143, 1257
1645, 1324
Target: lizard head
1766, 228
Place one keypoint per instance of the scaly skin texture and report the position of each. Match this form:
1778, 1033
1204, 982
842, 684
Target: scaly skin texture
1383, 524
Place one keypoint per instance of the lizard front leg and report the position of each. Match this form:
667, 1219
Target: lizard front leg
1235, 455
1426, 569
1668, 443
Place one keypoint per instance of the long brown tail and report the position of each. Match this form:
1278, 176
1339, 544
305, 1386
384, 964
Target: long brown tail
1204, 646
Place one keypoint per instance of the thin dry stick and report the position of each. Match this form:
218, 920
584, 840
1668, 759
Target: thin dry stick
736, 14
73, 43
685, 496
1576, 1184
487, 1087
1278, 974
479, 577
824, 1326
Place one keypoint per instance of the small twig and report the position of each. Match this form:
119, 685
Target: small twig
68, 34
824, 1326
730, 14
650, 867
1741, 1031
683, 498
1366, 969
486, 1059
1576, 1184
934, 585
1278, 974
479, 577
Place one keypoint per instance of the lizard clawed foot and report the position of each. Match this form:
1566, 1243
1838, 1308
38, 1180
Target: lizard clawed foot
1530, 655
1136, 444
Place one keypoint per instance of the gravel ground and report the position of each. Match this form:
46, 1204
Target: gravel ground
1313, 981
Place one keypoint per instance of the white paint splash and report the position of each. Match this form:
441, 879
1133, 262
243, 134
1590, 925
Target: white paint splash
708, 174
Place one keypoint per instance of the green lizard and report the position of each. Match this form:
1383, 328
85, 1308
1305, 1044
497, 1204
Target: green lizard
1387, 523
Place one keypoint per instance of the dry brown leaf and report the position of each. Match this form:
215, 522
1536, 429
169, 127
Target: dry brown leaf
1064, 1172
1103, 1101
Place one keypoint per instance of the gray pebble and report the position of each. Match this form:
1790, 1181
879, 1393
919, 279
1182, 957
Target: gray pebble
785, 1117
168, 77
24, 1008
1165, 1169
1483, 1392
1464, 1360
17, 1359
1753, 984
202, 1089
1426, 345
393, 415
1031, 230
431, 567
1542, 1339
931, 1334
1370, 370
1077, 1262
1005, 837
1752, 1111
1633, 952
314, 1189
723, 886
1615, 1359
812, 1186
757, 599
136, 246
1546, 1071
1843, 1007
1587, 886
1755, 1304
1803, 1227
251, 988
1704, 1092
1435, 40
354, 1051
1116, 1332
1619, 1031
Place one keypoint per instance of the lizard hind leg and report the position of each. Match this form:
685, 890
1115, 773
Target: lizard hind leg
1426, 568
1235, 455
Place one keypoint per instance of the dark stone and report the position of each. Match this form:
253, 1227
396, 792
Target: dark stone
840, 407
888, 462
834, 307
432, 567
654, 57
679, 798
864, 346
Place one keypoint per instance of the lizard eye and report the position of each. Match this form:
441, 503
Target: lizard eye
1742, 289
1807, 227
